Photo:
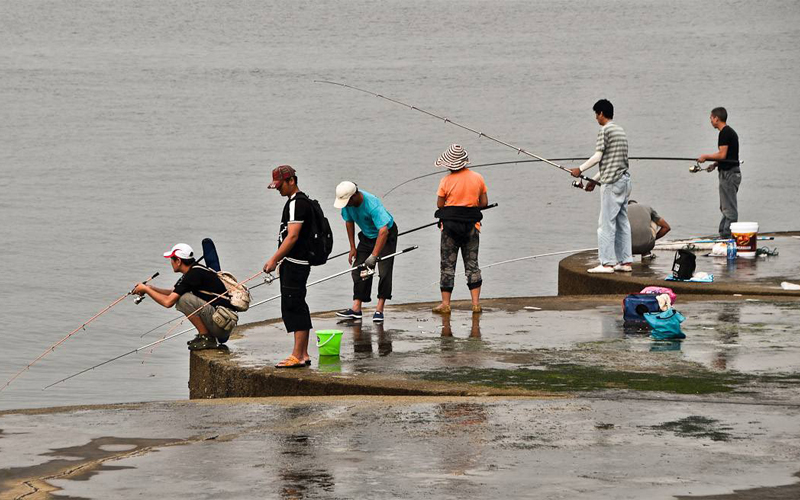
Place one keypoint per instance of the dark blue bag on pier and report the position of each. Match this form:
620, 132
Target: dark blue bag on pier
635, 306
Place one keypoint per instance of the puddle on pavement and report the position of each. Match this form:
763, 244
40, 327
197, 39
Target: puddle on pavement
74, 456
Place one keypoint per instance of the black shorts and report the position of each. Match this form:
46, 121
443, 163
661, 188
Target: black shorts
294, 310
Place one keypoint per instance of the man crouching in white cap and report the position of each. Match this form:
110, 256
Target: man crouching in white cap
378, 237
191, 295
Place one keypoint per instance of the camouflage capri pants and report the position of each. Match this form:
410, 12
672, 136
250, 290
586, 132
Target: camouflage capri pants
469, 252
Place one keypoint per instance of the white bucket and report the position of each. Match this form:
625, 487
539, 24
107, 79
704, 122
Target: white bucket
746, 236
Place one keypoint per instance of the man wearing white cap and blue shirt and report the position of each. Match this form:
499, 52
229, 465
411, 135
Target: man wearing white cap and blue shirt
191, 295
378, 237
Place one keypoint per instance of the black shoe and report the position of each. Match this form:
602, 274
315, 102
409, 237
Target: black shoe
205, 342
349, 313
195, 339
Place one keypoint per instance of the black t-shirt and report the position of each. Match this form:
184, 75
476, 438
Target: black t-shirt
728, 137
297, 210
202, 278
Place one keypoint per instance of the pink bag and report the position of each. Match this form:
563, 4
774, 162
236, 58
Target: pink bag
658, 290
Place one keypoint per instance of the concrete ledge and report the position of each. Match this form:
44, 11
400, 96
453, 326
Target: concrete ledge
760, 277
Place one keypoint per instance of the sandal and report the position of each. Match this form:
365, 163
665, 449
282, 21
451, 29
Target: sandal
291, 362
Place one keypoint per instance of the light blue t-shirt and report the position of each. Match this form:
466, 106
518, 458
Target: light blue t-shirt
370, 215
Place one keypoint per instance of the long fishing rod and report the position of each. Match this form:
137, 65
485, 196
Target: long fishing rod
549, 254
166, 338
464, 127
693, 169
487, 207
70, 334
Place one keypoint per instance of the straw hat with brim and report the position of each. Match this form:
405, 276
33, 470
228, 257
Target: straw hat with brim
455, 158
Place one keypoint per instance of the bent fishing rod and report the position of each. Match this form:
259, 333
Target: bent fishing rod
459, 125
70, 334
166, 338
694, 168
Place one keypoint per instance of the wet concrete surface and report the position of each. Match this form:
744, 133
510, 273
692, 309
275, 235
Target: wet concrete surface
357, 447
762, 275
739, 334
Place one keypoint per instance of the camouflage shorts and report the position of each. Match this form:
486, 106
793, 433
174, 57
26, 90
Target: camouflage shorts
449, 257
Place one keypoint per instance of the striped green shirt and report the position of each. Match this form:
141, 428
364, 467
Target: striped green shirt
613, 143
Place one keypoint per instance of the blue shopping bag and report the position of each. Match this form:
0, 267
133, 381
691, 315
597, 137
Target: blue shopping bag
665, 325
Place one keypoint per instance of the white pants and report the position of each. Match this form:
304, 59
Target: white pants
613, 227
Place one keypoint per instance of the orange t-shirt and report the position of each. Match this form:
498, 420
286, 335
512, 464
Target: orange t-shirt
462, 188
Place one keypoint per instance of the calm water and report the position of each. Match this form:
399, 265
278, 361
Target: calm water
128, 126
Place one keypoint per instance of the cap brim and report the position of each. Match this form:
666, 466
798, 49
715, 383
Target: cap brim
168, 255
274, 184
341, 202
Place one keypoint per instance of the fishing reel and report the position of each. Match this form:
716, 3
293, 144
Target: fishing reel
578, 184
269, 278
139, 298
366, 273
695, 168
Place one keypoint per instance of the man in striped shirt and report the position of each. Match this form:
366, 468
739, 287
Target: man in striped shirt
614, 228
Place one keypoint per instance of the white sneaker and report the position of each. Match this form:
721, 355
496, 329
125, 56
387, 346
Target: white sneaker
623, 268
601, 269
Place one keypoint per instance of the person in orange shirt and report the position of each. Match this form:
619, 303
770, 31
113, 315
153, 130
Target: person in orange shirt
461, 195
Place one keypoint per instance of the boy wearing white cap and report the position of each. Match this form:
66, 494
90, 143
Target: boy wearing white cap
191, 295
378, 237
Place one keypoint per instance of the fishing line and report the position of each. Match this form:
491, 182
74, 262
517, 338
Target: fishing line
82, 327
549, 254
464, 127
168, 337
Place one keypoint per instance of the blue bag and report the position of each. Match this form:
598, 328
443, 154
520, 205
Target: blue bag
635, 305
665, 325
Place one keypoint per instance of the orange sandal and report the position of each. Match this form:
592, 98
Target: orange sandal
291, 362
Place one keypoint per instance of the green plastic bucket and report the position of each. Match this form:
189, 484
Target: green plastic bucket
329, 342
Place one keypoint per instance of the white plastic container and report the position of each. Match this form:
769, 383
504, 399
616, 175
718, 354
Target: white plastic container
746, 236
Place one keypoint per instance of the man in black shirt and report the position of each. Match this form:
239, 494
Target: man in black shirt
193, 291
292, 256
730, 175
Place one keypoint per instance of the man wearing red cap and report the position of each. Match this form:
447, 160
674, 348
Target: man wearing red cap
292, 256
197, 295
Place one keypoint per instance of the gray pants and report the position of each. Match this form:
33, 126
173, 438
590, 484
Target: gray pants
189, 303
613, 226
729, 181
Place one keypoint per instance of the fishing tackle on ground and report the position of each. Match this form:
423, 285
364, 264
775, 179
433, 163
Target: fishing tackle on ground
82, 327
464, 127
168, 337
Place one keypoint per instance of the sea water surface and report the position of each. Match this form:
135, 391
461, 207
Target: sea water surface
128, 126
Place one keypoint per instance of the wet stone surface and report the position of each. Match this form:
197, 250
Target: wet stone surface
767, 272
355, 447
729, 343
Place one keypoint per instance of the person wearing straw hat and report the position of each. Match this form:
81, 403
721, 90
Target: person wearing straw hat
377, 238
197, 294
461, 195
292, 256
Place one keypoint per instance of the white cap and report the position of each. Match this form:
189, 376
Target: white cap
344, 191
181, 250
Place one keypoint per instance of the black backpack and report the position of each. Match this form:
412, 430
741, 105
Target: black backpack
320, 240
684, 265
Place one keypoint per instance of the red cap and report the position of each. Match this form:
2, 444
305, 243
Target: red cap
280, 174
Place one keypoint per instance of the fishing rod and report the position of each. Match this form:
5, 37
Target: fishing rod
482, 165
464, 127
268, 279
168, 337
70, 334
549, 254
487, 207
219, 296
